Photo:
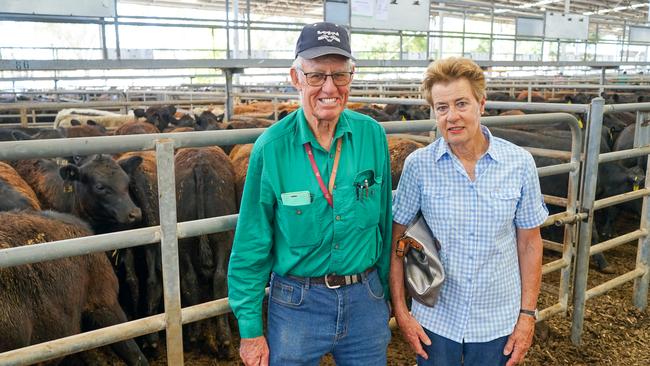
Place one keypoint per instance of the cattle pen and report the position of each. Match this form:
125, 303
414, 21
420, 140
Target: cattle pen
135, 120
580, 206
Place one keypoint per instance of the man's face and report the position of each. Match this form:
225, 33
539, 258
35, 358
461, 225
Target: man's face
457, 111
325, 102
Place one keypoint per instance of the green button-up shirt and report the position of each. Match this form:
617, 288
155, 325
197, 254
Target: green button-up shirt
310, 239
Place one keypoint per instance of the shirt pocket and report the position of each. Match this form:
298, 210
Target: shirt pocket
436, 205
368, 200
504, 203
298, 224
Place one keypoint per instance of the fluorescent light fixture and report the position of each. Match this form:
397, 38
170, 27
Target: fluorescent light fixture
528, 6
618, 8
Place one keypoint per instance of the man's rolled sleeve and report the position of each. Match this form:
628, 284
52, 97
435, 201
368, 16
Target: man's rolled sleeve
407, 198
531, 210
250, 260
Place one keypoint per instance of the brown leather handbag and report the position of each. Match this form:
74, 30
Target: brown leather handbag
423, 271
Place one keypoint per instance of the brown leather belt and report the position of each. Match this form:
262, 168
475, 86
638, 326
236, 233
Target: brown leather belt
336, 281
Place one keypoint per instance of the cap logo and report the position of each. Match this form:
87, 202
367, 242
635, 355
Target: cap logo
329, 36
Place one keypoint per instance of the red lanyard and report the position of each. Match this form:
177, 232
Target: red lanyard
327, 192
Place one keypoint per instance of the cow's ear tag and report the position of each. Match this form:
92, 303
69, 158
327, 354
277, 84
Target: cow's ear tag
580, 124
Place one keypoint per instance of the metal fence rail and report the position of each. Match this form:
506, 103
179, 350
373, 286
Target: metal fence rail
169, 231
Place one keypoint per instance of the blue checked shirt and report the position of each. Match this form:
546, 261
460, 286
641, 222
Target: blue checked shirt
476, 224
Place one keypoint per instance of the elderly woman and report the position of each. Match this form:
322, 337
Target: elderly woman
480, 196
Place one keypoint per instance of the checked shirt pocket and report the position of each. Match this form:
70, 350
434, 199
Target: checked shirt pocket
505, 202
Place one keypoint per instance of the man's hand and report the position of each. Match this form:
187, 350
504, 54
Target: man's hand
254, 351
520, 340
413, 332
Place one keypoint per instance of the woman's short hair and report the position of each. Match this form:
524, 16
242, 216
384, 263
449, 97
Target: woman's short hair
450, 69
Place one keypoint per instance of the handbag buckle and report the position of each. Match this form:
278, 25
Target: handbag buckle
401, 249
328, 284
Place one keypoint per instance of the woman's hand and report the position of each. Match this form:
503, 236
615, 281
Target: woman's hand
413, 332
520, 340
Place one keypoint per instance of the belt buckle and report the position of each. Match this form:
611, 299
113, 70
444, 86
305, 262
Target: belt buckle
328, 285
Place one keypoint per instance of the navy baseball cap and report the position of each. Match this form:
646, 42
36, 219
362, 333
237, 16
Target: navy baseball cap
321, 39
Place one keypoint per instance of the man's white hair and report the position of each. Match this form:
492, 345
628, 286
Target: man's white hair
298, 62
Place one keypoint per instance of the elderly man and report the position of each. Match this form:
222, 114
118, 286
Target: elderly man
315, 215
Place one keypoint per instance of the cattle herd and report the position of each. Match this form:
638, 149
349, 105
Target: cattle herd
71, 196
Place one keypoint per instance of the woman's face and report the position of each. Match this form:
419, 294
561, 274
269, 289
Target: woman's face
458, 113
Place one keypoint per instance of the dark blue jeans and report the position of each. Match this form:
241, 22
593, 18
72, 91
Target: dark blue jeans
306, 321
445, 352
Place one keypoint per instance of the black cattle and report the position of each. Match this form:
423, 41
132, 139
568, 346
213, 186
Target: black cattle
13, 135
622, 97
205, 188
207, 120
377, 115
159, 116
140, 268
403, 112
579, 98
96, 189
613, 178
60, 298
625, 141
500, 97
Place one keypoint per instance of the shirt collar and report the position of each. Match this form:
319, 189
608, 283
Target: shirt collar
492, 152
305, 134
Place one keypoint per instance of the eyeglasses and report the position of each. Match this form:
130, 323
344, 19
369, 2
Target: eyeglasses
341, 78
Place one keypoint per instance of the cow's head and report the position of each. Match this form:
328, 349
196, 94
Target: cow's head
160, 116
102, 190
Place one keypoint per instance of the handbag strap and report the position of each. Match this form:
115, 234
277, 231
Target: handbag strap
327, 192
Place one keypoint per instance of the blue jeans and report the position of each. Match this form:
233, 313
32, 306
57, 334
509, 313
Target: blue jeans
445, 352
306, 321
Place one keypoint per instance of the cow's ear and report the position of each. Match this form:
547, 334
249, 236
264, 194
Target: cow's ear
75, 122
20, 135
139, 112
129, 165
69, 172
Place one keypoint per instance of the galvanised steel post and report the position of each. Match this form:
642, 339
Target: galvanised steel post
587, 197
169, 249
229, 111
642, 137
